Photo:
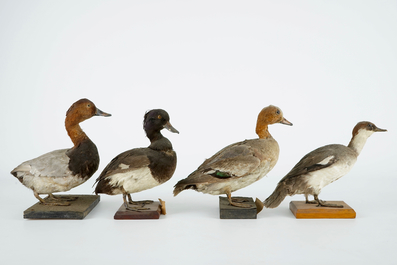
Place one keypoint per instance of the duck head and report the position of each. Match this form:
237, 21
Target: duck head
155, 120
269, 115
361, 132
366, 127
82, 110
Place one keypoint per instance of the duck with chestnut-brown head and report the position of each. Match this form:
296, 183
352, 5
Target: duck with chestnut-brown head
62, 170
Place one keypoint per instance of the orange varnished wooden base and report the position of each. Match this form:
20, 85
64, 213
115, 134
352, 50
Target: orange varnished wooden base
302, 210
154, 211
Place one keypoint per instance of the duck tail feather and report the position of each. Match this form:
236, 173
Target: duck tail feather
178, 189
276, 197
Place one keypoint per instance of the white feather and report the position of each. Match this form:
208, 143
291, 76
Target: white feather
133, 181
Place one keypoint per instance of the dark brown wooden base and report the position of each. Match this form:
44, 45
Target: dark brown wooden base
228, 211
302, 210
155, 209
78, 208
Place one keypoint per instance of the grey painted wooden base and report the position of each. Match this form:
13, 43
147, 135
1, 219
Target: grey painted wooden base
78, 209
228, 211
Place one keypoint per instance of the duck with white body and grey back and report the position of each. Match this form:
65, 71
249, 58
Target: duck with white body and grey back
62, 170
321, 167
240, 164
140, 169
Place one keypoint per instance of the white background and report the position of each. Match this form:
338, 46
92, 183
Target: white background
213, 65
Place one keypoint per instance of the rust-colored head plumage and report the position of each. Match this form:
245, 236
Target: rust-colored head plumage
83, 109
269, 115
80, 111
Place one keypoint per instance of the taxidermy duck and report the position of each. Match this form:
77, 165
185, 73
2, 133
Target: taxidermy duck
321, 167
140, 169
240, 164
62, 170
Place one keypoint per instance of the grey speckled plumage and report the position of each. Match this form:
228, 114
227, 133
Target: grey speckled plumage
238, 165
321, 167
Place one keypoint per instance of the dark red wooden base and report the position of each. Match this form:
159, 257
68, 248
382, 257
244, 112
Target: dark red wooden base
155, 209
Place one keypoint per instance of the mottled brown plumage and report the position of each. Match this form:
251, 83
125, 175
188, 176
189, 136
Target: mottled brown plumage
238, 165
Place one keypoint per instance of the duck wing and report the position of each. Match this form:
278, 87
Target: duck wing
318, 159
236, 160
53, 164
127, 161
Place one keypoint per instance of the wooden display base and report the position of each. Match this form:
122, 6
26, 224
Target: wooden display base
155, 209
78, 209
302, 210
228, 211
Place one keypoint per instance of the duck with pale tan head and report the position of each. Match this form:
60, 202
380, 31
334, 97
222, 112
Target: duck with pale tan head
240, 164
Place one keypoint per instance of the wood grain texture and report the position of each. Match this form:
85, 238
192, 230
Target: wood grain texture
78, 209
302, 210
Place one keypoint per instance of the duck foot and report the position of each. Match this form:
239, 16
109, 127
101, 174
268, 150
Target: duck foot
140, 202
238, 202
130, 201
321, 203
60, 198
56, 203
136, 209
329, 205
50, 203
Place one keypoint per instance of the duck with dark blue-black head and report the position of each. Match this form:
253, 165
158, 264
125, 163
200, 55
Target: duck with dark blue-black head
140, 169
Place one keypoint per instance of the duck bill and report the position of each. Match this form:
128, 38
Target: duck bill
286, 122
101, 113
169, 127
380, 130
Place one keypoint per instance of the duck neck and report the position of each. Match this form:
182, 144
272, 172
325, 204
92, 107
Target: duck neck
358, 141
158, 141
262, 131
75, 132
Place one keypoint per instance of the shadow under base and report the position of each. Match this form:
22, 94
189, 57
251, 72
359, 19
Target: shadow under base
228, 211
154, 212
302, 210
79, 208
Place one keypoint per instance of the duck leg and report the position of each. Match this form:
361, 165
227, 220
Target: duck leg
130, 201
310, 202
321, 203
42, 201
236, 202
136, 209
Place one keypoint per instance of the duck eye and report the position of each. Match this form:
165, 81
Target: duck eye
278, 112
89, 105
159, 117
